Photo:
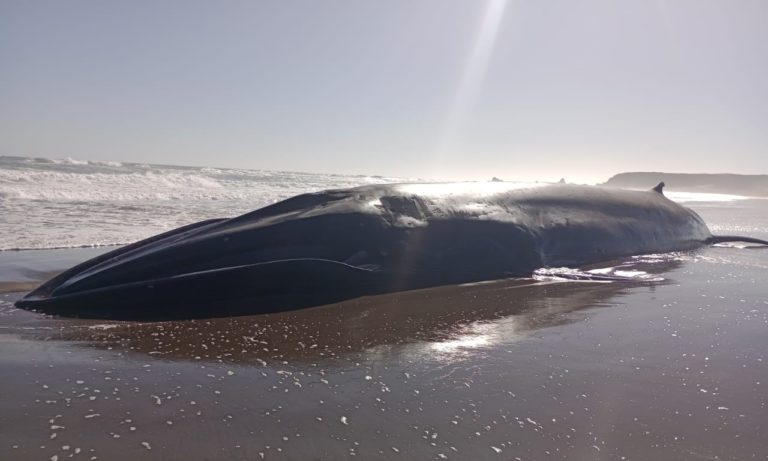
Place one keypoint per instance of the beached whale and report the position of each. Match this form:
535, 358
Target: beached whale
324, 247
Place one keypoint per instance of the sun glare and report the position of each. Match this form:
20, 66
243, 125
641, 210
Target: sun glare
472, 76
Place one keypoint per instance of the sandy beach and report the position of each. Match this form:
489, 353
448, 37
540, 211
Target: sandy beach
403, 230
516, 369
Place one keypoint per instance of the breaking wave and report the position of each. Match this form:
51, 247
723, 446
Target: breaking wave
70, 203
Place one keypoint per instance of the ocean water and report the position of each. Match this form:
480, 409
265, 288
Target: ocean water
667, 361
68, 203
55, 203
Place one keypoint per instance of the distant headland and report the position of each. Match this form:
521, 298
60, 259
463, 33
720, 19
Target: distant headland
737, 184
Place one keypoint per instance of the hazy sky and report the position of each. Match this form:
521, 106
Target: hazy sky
442, 89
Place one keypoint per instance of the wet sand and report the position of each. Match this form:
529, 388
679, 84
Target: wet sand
507, 370
21, 271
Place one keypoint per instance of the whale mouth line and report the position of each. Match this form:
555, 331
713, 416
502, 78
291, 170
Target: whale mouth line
202, 273
307, 281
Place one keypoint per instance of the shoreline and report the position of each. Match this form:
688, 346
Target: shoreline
503, 369
23, 270
518, 368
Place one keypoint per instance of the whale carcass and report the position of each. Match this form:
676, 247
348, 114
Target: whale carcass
333, 245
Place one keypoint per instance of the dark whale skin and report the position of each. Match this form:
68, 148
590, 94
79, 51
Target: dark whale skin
329, 246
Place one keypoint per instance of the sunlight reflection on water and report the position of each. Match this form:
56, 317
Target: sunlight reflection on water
473, 339
702, 197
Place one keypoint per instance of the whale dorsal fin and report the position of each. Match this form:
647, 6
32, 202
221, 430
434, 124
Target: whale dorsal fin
659, 188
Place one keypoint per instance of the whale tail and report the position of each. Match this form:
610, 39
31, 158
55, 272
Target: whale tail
733, 238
